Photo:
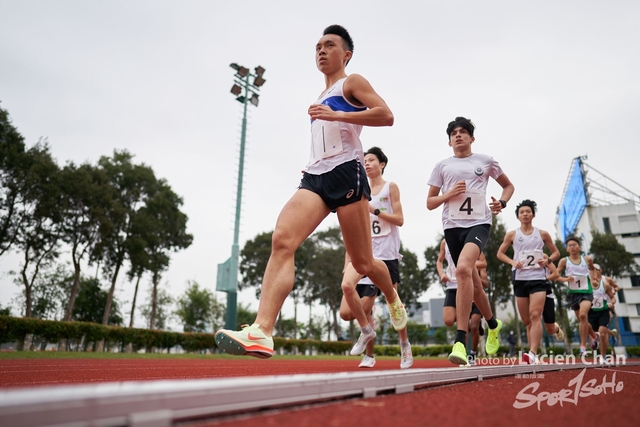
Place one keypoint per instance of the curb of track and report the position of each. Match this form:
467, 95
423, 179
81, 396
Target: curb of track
162, 403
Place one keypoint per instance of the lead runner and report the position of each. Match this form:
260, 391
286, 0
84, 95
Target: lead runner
334, 181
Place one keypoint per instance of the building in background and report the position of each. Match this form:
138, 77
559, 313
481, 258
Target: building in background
592, 201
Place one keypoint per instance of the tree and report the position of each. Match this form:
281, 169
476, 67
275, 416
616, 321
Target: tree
327, 265
49, 293
159, 304
39, 231
430, 271
199, 310
90, 303
613, 257
12, 154
131, 185
139, 260
85, 197
159, 227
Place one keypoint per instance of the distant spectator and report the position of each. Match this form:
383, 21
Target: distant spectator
511, 339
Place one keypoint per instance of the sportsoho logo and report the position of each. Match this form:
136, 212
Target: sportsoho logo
576, 388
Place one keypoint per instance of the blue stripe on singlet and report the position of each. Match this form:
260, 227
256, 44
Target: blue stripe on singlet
338, 103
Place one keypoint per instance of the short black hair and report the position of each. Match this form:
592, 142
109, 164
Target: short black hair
461, 122
339, 30
533, 205
382, 158
574, 238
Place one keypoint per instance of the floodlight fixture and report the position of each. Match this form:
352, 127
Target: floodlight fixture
236, 90
240, 99
254, 99
259, 81
259, 70
242, 71
234, 66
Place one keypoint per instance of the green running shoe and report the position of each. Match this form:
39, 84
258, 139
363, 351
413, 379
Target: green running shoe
493, 339
458, 354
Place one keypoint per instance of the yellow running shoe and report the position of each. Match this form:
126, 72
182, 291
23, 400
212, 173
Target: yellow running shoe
250, 341
493, 339
398, 314
458, 354
560, 333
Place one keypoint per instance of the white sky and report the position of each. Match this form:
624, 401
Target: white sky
544, 82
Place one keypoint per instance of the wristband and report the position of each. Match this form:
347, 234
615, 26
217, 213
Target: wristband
376, 212
503, 203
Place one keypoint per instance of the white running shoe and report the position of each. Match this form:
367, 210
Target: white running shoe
406, 357
530, 358
361, 344
367, 362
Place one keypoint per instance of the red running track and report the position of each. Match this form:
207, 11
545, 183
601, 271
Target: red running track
489, 402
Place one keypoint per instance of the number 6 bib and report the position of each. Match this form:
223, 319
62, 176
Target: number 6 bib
379, 227
468, 205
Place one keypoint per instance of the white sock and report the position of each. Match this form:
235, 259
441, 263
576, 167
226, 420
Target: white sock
367, 329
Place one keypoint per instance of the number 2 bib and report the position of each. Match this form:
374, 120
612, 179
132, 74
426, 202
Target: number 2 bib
468, 205
529, 259
326, 140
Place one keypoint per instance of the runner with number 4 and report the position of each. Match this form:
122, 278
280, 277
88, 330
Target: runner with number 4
459, 184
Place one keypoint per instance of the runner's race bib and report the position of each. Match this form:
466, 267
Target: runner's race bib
325, 139
379, 227
529, 259
598, 302
468, 205
579, 283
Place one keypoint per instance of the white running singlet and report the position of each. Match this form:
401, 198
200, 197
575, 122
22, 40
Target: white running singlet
334, 143
580, 272
469, 209
528, 250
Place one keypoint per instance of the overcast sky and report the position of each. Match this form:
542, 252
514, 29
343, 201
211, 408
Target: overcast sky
544, 82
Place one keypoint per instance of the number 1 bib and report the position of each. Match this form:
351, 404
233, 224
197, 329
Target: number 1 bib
326, 140
579, 283
468, 205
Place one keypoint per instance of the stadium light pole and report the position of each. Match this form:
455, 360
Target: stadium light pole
245, 92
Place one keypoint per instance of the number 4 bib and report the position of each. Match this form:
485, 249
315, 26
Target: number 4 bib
468, 205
